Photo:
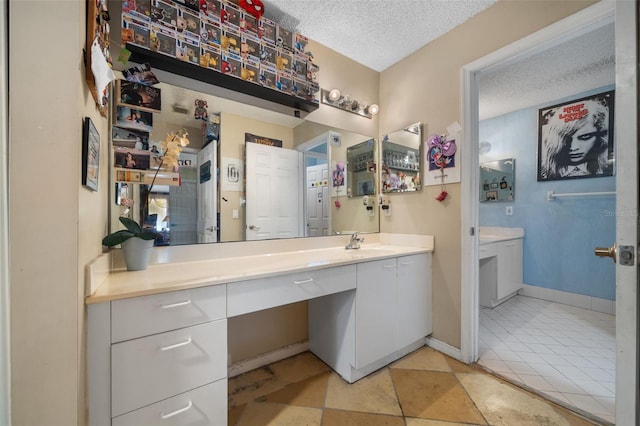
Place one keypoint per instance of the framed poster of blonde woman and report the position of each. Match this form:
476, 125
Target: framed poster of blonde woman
575, 139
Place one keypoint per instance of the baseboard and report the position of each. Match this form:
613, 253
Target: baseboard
572, 299
445, 348
267, 358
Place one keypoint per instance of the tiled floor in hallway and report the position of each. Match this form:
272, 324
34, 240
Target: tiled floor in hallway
425, 388
565, 352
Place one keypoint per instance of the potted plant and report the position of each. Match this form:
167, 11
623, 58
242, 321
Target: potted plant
136, 241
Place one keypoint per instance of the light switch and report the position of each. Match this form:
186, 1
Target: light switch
509, 210
234, 213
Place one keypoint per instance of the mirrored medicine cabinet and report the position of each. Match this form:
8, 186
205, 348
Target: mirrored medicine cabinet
497, 180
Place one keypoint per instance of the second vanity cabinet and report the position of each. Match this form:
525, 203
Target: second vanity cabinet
500, 272
388, 317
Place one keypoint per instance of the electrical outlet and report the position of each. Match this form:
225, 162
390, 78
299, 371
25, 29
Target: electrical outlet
509, 210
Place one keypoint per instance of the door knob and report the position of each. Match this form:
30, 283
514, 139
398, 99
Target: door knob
607, 252
254, 228
210, 229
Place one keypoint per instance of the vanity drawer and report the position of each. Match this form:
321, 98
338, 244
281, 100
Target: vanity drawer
153, 368
145, 315
487, 250
206, 405
250, 296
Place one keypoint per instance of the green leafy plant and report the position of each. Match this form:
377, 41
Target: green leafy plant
133, 230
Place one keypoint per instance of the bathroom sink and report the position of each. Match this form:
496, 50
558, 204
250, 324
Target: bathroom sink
378, 251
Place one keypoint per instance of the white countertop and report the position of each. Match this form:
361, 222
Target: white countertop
496, 234
171, 276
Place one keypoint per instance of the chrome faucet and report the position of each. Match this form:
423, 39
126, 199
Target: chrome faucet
354, 242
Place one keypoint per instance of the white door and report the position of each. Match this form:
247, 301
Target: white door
626, 139
317, 207
272, 207
207, 197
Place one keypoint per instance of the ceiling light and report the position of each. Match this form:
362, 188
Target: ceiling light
334, 94
346, 102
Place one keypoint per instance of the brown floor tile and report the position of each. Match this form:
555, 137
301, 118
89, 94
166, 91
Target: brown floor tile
299, 367
248, 386
423, 359
426, 422
310, 392
434, 395
234, 414
266, 413
262, 381
373, 394
354, 418
504, 404
461, 367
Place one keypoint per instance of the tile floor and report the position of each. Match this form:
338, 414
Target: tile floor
425, 388
561, 351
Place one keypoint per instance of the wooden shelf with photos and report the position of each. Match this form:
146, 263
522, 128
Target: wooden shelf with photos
146, 177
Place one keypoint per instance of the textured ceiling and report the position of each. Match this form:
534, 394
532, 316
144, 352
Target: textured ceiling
375, 33
578, 65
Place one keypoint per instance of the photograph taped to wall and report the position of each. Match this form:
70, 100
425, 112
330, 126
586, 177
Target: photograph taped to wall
575, 139
136, 119
139, 96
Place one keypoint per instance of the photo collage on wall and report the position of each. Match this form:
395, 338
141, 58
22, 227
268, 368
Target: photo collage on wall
221, 36
135, 157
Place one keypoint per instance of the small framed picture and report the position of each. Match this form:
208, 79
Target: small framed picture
134, 119
90, 154
491, 196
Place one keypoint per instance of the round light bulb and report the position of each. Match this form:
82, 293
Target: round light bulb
334, 94
374, 109
347, 100
362, 105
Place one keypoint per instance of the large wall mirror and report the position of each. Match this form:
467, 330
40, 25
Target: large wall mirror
248, 173
402, 159
498, 180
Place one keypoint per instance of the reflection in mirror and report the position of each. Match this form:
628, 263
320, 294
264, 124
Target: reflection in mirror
361, 169
402, 159
215, 201
497, 180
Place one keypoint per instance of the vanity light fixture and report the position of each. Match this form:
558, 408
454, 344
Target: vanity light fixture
345, 102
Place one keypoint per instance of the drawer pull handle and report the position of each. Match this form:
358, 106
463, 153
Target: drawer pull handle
406, 263
175, 305
389, 266
310, 280
178, 411
177, 345
510, 245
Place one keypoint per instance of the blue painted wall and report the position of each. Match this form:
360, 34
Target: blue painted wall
560, 235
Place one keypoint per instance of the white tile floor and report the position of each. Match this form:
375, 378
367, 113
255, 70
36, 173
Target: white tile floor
565, 352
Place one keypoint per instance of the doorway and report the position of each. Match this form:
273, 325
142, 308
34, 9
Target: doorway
580, 23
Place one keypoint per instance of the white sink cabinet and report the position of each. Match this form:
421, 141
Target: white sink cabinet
388, 317
500, 271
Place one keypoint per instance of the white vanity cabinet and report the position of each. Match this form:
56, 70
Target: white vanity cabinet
500, 272
388, 317
159, 359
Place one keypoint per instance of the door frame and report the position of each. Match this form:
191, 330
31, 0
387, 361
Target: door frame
593, 17
5, 372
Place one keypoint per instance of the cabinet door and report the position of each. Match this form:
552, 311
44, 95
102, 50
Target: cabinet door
376, 311
509, 268
414, 299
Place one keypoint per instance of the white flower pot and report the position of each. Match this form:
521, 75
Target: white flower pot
136, 253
